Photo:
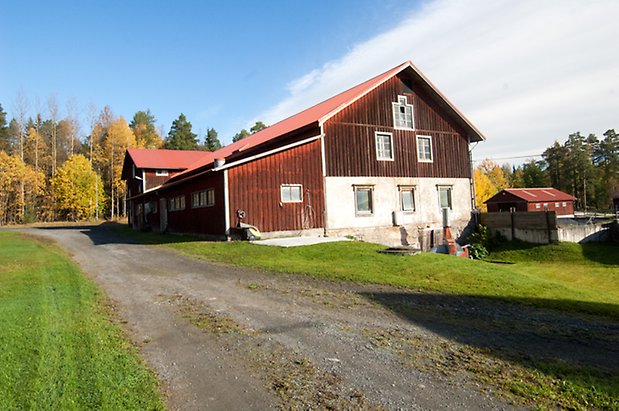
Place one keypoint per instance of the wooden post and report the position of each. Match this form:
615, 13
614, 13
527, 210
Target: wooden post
513, 224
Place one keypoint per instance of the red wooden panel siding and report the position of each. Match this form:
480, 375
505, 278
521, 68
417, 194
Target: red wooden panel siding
350, 140
203, 220
255, 188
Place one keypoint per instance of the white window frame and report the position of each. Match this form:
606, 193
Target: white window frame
370, 190
402, 102
289, 187
450, 199
380, 147
161, 173
406, 189
419, 158
538, 205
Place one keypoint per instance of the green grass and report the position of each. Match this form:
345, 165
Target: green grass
566, 276
59, 348
573, 278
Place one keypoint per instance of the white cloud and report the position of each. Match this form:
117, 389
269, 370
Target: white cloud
525, 72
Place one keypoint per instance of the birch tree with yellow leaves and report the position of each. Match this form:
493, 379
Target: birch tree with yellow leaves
19, 185
489, 179
75, 186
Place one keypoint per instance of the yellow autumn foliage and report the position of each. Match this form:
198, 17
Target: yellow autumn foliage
77, 189
19, 185
489, 180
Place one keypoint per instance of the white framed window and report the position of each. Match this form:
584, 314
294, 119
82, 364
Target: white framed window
291, 193
564, 205
384, 146
403, 114
557, 205
204, 198
364, 202
407, 198
538, 205
177, 203
424, 149
161, 173
444, 196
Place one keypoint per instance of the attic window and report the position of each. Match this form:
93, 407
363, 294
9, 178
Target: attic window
403, 114
161, 173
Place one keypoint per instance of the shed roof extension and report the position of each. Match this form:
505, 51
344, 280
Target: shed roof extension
321, 112
533, 195
163, 159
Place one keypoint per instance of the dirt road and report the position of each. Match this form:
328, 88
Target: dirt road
221, 337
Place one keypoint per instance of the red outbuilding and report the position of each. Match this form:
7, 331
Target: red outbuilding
532, 199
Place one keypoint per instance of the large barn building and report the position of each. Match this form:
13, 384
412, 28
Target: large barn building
378, 161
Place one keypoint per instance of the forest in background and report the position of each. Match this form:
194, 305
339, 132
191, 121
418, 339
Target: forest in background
585, 167
51, 171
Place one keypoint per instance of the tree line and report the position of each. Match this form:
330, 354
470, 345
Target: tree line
585, 167
49, 172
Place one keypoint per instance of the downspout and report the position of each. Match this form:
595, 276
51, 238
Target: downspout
324, 180
226, 204
472, 178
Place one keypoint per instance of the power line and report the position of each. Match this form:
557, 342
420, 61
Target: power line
507, 158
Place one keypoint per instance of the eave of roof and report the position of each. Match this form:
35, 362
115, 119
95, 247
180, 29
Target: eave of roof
323, 111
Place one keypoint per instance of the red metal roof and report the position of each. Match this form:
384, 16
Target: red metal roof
166, 159
328, 108
534, 195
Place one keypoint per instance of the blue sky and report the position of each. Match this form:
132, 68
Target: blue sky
525, 72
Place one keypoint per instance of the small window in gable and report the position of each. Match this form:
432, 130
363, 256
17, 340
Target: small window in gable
424, 149
384, 146
403, 114
291, 193
161, 173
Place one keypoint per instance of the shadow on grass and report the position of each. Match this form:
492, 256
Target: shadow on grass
606, 253
560, 344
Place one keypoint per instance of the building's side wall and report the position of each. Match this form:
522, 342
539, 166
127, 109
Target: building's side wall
343, 219
153, 180
209, 221
556, 206
350, 147
255, 188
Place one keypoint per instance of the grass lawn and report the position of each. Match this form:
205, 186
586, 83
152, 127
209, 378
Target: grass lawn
566, 276
573, 278
58, 346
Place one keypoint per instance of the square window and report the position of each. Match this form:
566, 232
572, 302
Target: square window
291, 193
538, 205
363, 200
424, 149
384, 146
444, 197
407, 198
403, 114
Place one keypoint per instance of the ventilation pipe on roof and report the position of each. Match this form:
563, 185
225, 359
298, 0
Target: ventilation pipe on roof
219, 162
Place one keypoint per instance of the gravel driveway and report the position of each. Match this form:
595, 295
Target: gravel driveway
221, 337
